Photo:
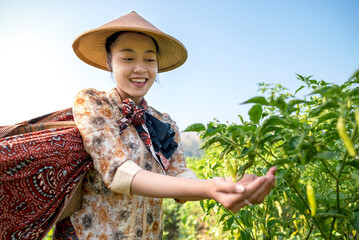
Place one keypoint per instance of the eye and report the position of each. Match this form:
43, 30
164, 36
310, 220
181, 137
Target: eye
127, 59
150, 60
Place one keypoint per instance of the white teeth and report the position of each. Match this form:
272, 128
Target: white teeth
139, 80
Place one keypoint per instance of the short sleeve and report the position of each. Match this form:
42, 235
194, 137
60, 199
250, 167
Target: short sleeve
95, 119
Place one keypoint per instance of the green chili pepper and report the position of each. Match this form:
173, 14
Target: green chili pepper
232, 171
344, 136
357, 116
311, 198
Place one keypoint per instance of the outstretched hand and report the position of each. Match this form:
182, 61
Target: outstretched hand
250, 189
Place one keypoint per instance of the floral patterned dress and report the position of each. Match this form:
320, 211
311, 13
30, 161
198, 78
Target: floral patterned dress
108, 210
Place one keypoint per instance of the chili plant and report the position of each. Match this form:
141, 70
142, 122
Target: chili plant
313, 141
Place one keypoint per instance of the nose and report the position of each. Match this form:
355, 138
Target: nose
139, 68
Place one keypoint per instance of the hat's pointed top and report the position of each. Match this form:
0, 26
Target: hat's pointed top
131, 20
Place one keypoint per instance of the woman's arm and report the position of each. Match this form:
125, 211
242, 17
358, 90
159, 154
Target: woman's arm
232, 196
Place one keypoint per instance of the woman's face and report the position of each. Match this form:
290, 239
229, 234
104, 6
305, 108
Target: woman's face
134, 65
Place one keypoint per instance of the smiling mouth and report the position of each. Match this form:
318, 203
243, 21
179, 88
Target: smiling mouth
138, 80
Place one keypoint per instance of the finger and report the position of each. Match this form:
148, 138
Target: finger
260, 193
248, 178
240, 188
260, 198
217, 178
227, 186
248, 190
255, 185
256, 195
238, 207
271, 171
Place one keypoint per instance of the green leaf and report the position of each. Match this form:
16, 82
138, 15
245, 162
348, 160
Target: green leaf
326, 155
355, 221
240, 117
355, 74
281, 162
275, 121
215, 165
235, 130
327, 105
246, 217
272, 222
258, 100
225, 151
201, 203
330, 215
354, 92
196, 127
353, 163
229, 222
300, 88
245, 151
295, 142
327, 116
355, 178
312, 81
206, 144
273, 129
245, 235
280, 103
213, 128
255, 113
270, 139
296, 101
303, 79
223, 216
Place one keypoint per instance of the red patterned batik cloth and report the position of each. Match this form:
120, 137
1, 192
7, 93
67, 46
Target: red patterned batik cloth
42, 162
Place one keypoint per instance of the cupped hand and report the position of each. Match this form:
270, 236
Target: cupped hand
250, 189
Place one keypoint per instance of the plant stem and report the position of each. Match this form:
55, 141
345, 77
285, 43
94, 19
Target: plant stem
270, 152
306, 204
331, 228
310, 232
327, 168
239, 224
337, 179
261, 157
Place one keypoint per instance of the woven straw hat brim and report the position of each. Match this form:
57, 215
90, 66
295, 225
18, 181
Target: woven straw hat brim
90, 46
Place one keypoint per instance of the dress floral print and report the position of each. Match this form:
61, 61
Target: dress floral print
108, 210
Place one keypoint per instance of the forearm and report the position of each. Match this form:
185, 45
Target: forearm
151, 184
232, 196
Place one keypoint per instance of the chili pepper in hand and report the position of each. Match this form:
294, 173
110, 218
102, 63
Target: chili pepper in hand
232, 171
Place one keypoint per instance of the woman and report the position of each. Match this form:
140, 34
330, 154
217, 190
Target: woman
136, 150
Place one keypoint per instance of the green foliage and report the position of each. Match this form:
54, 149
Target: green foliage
184, 221
302, 138
49, 235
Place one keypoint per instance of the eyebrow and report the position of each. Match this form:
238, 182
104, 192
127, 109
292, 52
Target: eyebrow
131, 50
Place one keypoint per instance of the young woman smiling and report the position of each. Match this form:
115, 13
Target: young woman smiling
136, 150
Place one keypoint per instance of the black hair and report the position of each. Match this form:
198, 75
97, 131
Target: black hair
112, 39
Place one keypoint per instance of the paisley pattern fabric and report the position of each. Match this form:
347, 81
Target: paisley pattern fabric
39, 171
107, 214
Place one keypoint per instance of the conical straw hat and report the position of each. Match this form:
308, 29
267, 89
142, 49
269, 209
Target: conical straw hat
90, 46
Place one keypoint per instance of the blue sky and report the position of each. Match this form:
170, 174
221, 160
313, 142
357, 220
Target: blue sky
232, 46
